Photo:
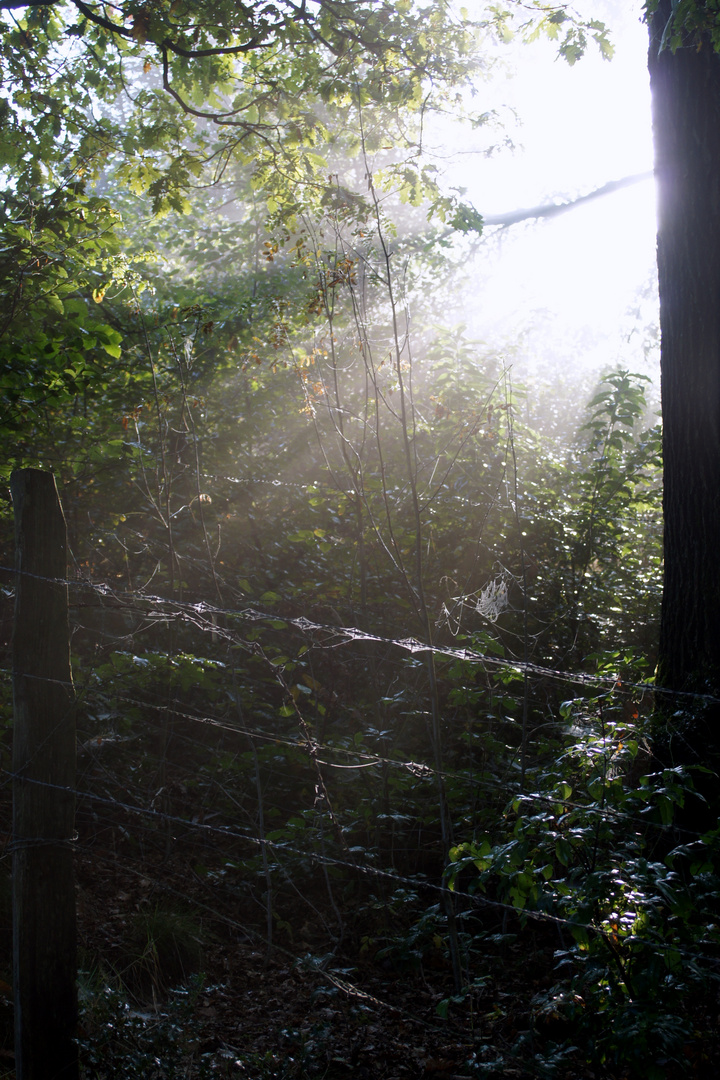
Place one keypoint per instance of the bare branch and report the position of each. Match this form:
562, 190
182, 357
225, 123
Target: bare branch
546, 210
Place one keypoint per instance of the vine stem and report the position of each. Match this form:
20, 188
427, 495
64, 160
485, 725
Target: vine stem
407, 428
523, 568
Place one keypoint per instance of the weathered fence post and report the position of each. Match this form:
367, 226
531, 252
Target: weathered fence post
44, 944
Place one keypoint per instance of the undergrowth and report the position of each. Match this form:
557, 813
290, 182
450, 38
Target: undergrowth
593, 848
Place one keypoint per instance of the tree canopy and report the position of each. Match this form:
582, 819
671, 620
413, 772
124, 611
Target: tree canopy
173, 89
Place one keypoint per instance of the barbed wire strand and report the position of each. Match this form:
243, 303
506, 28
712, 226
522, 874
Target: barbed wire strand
361, 868
420, 770
193, 612
312, 747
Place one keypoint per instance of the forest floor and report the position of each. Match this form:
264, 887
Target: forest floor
267, 1014
293, 1011
176, 981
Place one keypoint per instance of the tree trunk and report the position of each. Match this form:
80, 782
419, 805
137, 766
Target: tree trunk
44, 964
686, 124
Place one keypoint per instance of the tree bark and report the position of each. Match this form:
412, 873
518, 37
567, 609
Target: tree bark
44, 947
686, 126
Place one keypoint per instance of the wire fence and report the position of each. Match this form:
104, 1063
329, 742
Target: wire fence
225, 763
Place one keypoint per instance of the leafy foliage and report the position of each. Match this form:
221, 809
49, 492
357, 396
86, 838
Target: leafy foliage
127, 1040
688, 22
593, 848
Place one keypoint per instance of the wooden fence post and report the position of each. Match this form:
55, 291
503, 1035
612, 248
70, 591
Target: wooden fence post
44, 943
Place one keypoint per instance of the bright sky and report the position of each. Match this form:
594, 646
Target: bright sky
568, 283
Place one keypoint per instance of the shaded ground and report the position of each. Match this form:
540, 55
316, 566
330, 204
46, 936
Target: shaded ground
290, 1011
176, 981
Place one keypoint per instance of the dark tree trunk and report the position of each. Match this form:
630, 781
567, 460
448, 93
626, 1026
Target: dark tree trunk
686, 123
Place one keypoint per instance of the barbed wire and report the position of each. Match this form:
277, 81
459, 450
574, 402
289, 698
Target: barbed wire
418, 769
203, 614
473, 899
421, 770
204, 617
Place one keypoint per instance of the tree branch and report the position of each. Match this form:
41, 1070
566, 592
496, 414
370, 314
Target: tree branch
179, 50
100, 20
546, 210
225, 119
